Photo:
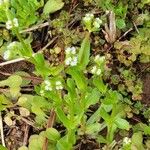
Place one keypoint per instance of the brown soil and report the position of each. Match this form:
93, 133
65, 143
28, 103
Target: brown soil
146, 89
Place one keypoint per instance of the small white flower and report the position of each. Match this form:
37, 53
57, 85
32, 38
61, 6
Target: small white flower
73, 50
126, 140
7, 54
59, 85
48, 88
15, 22
74, 61
96, 25
94, 69
68, 50
88, 17
11, 45
47, 82
98, 72
99, 21
68, 61
99, 59
9, 24
42, 92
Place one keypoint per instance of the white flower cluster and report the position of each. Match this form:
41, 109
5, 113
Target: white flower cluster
88, 17
48, 86
59, 85
12, 23
96, 70
126, 141
7, 53
71, 56
99, 59
91, 23
97, 23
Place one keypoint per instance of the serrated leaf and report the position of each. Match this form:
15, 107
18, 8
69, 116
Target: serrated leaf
84, 52
52, 6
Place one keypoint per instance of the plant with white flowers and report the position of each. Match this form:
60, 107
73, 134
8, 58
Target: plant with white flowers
12, 23
11, 50
58, 85
48, 86
71, 56
98, 67
92, 24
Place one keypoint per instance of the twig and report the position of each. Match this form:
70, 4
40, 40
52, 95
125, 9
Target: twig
35, 27
22, 59
26, 134
136, 27
49, 125
11, 61
1, 128
26, 77
125, 34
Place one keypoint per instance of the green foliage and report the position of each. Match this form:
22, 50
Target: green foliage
52, 6
91, 95
84, 52
25, 11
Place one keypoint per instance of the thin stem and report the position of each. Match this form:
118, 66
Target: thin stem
1, 128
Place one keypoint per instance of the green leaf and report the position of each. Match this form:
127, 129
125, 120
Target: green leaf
120, 23
63, 118
122, 123
52, 134
137, 141
14, 82
98, 82
63, 144
79, 78
3, 148
84, 52
92, 98
52, 6
104, 115
111, 97
23, 148
93, 129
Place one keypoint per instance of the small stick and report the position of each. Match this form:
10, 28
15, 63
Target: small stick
136, 27
50, 124
125, 34
11, 61
1, 128
35, 27
26, 134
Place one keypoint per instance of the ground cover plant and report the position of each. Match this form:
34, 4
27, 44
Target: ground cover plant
74, 75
